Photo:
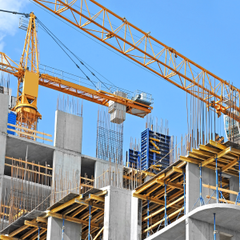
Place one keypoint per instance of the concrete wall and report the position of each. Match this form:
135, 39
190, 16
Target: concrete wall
198, 230
68, 131
136, 219
117, 211
67, 156
4, 99
193, 185
72, 231
35, 191
4, 112
66, 174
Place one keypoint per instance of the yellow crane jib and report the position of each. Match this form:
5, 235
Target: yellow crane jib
119, 34
29, 79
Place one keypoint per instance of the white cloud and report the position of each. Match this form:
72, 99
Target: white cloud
1, 46
1, 43
9, 22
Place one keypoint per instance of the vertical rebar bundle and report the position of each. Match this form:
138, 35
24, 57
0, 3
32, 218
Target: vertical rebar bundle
157, 126
5, 81
109, 144
202, 122
70, 105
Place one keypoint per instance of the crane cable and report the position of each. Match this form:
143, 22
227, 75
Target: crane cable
58, 41
62, 46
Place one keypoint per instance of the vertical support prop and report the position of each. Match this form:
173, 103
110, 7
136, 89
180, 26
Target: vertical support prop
38, 233
147, 160
165, 210
200, 179
184, 189
238, 196
62, 229
89, 224
217, 192
215, 231
148, 234
220, 175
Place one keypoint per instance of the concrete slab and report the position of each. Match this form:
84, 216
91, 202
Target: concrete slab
175, 230
71, 196
38, 152
199, 230
20, 221
199, 224
227, 215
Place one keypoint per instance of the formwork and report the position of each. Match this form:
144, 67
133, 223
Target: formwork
164, 196
155, 148
85, 209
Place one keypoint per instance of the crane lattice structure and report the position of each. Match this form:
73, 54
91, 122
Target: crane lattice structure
29, 78
119, 34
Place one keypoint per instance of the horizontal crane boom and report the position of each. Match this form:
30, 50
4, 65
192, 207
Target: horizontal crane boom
117, 33
97, 96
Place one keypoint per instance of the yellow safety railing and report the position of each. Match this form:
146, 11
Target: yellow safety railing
29, 132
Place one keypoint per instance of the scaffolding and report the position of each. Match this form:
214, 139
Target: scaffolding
164, 195
85, 209
27, 185
166, 189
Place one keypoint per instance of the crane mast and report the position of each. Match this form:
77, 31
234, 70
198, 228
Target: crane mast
29, 78
27, 93
119, 34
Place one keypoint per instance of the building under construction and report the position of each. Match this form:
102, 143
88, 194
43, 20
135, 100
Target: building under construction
161, 189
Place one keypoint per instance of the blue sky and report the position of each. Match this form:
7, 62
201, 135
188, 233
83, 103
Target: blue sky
204, 31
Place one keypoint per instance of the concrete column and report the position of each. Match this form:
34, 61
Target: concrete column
108, 174
193, 185
4, 112
72, 231
209, 178
66, 174
136, 219
100, 173
3, 136
68, 131
117, 212
233, 185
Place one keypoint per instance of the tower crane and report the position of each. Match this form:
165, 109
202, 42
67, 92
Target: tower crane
119, 34
29, 78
